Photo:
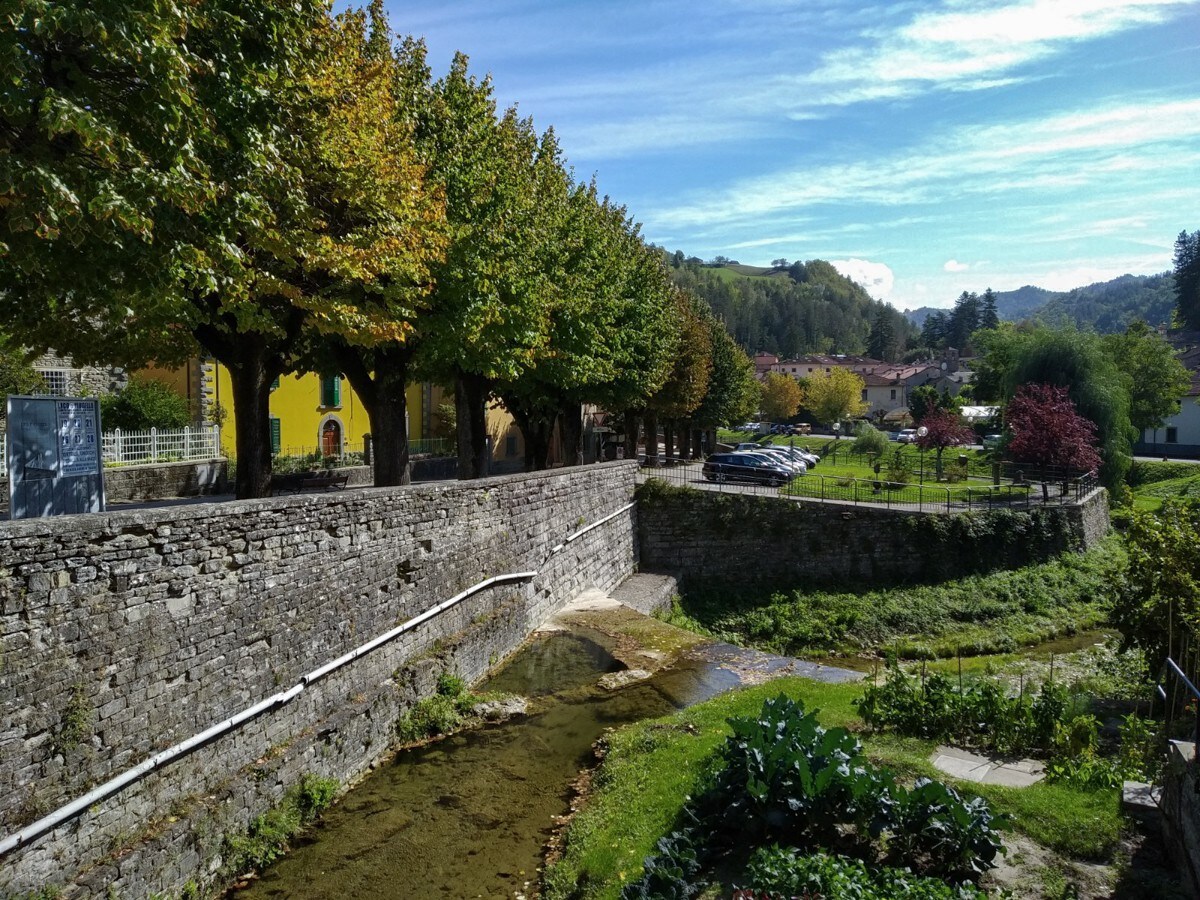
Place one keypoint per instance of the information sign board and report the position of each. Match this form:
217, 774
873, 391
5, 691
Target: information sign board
54, 463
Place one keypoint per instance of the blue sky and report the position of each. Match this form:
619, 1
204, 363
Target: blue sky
924, 147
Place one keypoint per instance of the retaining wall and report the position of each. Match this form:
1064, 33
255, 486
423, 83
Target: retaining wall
125, 633
698, 534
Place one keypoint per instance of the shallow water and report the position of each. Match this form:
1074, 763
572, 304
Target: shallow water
469, 816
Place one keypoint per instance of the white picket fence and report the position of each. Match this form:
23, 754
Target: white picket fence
128, 448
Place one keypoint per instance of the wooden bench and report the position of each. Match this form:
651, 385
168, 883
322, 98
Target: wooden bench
295, 482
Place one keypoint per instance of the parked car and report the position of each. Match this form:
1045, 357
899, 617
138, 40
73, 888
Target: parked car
745, 467
801, 428
782, 456
907, 436
992, 441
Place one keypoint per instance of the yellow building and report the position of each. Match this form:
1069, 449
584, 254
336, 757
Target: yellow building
311, 413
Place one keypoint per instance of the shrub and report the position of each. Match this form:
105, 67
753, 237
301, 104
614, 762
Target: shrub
144, 405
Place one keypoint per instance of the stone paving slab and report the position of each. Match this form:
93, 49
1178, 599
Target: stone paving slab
970, 766
647, 592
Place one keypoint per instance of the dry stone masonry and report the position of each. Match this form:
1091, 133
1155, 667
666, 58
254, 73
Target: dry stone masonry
125, 633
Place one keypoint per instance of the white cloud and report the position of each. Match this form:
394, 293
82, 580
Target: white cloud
953, 265
1069, 151
876, 277
971, 45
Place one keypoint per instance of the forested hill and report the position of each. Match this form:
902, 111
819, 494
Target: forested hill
792, 310
1106, 307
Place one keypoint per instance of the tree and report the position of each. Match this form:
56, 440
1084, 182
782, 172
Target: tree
1155, 378
1078, 362
687, 384
366, 181
963, 321
17, 376
98, 120
835, 395
869, 441
734, 393
1187, 278
1047, 430
160, 197
989, 317
142, 405
943, 428
1158, 607
924, 400
781, 397
883, 342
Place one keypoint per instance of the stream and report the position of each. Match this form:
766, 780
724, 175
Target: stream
469, 816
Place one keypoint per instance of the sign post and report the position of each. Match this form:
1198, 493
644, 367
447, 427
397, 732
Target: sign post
55, 465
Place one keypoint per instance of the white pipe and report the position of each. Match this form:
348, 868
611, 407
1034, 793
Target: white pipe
582, 531
110, 787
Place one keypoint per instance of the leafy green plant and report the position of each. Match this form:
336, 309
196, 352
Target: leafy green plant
776, 872
979, 714
934, 829
267, 837
781, 778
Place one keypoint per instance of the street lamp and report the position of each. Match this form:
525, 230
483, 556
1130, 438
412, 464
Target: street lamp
921, 432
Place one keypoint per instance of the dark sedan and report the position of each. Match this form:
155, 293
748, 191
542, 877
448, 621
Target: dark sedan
745, 467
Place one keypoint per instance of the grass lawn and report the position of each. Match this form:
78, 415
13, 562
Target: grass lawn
652, 767
980, 614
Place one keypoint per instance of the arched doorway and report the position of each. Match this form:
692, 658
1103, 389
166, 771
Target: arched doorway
331, 437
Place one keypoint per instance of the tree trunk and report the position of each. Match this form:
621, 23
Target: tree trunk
651, 439
685, 442
251, 384
570, 419
536, 430
668, 440
632, 423
470, 400
253, 365
382, 395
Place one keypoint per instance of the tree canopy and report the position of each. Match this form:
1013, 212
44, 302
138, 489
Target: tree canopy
1187, 279
1048, 431
835, 395
781, 396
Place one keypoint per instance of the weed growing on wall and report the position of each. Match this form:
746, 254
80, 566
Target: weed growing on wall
267, 838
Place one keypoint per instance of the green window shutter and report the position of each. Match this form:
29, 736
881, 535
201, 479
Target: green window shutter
275, 442
331, 390
275, 384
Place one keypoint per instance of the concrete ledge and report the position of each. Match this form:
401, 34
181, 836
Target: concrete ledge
647, 592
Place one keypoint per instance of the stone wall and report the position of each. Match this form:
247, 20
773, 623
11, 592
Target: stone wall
1180, 804
153, 482
125, 633
705, 534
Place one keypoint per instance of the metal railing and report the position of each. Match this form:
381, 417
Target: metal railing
961, 497
1171, 668
125, 448
128, 448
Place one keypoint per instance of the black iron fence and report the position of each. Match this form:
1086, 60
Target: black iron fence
1048, 488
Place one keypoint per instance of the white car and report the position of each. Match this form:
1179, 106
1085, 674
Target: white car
907, 436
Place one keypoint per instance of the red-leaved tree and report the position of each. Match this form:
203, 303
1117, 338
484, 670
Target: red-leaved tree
1048, 431
943, 429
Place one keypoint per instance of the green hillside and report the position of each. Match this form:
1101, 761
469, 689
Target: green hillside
807, 307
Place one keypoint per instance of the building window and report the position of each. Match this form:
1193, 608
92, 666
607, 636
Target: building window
864, 394
1172, 435
59, 382
331, 390
510, 446
275, 434
331, 438
893, 393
